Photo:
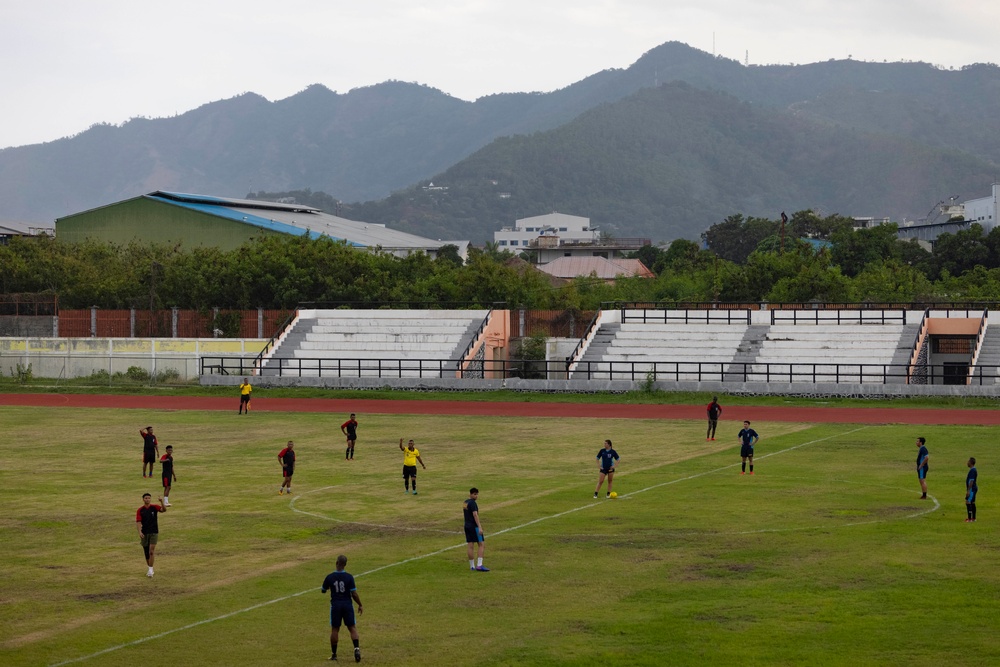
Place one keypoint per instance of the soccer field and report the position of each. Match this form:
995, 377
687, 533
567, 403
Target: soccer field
826, 556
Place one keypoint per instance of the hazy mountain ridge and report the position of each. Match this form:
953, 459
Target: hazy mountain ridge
669, 162
379, 139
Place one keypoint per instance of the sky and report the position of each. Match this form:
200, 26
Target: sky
68, 64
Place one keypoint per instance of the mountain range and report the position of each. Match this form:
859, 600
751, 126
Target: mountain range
662, 149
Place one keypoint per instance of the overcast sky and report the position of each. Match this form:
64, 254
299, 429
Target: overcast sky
67, 64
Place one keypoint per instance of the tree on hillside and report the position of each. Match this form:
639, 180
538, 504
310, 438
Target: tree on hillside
854, 249
735, 237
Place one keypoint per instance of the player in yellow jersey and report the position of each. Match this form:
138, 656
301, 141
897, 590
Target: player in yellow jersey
410, 457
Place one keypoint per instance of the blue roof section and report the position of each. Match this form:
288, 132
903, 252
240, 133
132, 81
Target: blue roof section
222, 208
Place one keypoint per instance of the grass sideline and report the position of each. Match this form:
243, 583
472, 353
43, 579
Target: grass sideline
825, 557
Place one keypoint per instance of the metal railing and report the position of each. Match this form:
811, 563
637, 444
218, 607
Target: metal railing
979, 345
587, 335
636, 371
686, 315
839, 316
918, 341
475, 339
259, 360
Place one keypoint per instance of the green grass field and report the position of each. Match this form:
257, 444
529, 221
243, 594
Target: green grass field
825, 557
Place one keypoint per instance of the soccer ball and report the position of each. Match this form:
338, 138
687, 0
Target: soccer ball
614, 494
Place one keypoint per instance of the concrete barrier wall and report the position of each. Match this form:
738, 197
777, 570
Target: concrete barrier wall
83, 357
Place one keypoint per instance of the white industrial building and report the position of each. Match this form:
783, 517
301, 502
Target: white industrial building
566, 228
983, 210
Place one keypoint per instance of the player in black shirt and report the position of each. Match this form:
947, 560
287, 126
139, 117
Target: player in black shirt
971, 490
149, 531
342, 591
168, 474
150, 450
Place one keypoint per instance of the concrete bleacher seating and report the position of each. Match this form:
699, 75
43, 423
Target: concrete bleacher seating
830, 352
374, 343
674, 349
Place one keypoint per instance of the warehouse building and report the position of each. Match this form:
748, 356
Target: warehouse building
201, 220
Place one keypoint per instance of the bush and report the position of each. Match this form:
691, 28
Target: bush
21, 372
167, 375
137, 374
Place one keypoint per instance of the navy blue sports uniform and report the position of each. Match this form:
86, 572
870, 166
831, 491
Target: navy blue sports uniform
922, 465
608, 458
971, 486
471, 532
341, 585
747, 437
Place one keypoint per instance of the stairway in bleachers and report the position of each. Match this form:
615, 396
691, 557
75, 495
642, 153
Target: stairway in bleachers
989, 354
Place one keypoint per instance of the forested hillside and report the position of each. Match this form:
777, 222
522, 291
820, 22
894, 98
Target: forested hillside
670, 161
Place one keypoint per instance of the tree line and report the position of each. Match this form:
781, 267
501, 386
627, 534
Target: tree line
740, 260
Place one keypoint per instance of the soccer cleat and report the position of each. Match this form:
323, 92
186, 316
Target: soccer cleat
357, 654
482, 568
595, 494
334, 658
713, 438
743, 472
414, 492
968, 521
751, 472
608, 495
167, 505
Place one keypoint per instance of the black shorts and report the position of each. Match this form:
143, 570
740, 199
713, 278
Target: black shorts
148, 456
746, 451
472, 535
409, 471
342, 612
287, 472
166, 482
244, 398
607, 471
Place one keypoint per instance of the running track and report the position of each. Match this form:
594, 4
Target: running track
339, 406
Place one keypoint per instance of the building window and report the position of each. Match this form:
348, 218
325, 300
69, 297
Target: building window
503, 243
562, 229
953, 344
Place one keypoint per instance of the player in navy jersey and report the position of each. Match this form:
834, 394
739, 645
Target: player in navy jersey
474, 531
971, 489
923, 458
607, 460
149, 530
287, 459
168, 474
342, 591
150, 450
747, 439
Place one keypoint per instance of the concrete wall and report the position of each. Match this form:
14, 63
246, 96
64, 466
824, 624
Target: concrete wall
82, 357
11, 325
872, 391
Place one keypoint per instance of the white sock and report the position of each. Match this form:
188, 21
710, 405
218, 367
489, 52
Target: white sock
472, 563
166, 501
480, 562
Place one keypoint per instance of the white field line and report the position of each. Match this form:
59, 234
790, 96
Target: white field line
456, 546
292, 506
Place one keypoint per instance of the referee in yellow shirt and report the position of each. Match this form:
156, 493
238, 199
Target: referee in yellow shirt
245, 390
410, 457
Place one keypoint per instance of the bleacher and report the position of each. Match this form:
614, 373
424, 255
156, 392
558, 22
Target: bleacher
830, 352
671, 345
374, 343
